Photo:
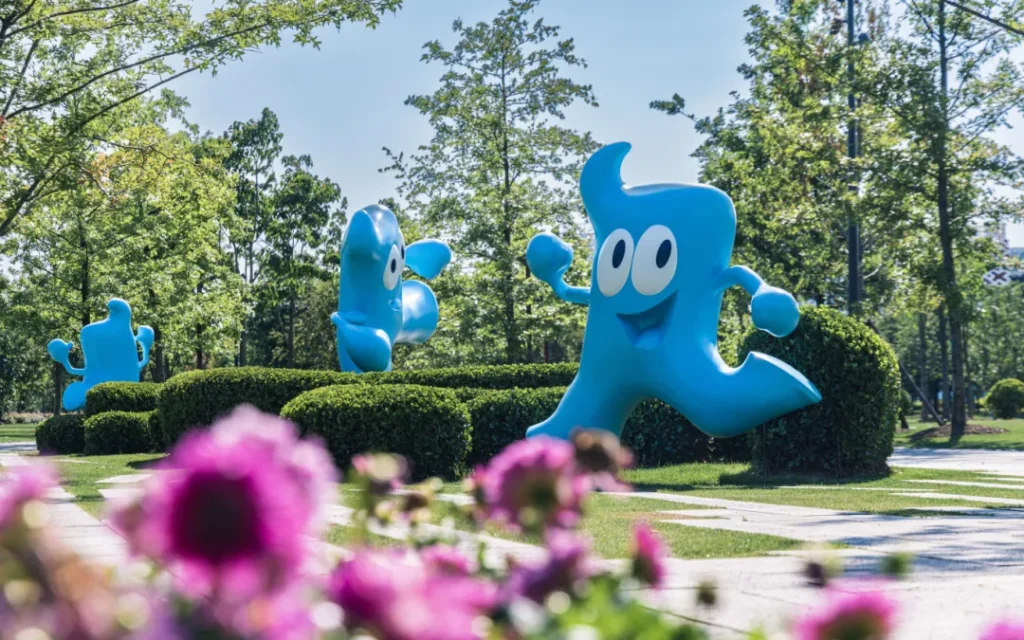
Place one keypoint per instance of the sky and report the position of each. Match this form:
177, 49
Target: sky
342, 103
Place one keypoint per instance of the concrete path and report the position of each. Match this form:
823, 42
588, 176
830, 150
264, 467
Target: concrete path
1005, 463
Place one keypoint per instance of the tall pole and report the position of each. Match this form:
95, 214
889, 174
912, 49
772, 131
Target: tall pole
853, 230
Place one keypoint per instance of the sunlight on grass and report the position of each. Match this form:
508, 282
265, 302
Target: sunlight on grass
80, 475
1012, 440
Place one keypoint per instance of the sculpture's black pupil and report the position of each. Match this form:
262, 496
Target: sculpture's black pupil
394, 265
664, 253
403, 253
618, 253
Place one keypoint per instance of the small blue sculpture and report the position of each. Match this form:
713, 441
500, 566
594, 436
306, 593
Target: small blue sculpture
109, 352
376, 308
661, 266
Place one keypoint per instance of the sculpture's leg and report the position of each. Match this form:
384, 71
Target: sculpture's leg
74, 396
724, 402
367, 348
591, 404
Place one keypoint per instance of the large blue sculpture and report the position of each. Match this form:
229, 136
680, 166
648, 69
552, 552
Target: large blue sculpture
376, 309
109, 352
661, 266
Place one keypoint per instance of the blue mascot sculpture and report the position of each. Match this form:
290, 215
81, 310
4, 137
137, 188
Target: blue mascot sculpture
109, 352
661, 266
376, 308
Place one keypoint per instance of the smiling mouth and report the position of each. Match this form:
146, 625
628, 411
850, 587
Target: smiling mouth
646, 329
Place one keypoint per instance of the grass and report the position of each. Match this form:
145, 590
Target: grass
1012, 440
80, 475
18, 432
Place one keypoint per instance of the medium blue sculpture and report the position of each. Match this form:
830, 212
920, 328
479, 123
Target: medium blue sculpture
376, 308
109, 351
661, 266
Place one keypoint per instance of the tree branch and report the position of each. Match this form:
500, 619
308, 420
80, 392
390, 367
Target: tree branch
58, 14
21, 77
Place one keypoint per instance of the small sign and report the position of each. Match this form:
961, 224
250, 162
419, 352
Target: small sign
1001, 276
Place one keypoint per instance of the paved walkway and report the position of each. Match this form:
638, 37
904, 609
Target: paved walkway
1006, 463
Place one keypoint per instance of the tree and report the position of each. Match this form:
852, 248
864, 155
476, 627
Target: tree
499, 168
69, 67
950, 84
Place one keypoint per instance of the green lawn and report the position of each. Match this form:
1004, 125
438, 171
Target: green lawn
18, 432
1012, 440
80, 475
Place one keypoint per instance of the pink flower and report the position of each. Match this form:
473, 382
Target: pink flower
1004, 630
233, 507
382, 473
446, 560
22, 485
567, 564
393, 595
648, 556
534, 483
867, 615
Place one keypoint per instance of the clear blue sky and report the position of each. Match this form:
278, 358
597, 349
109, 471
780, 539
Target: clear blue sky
341, 104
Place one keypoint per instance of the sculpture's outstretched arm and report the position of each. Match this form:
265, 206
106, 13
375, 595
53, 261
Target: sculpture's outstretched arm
145, 338
369, 348
549, 257
59, 351
772, 309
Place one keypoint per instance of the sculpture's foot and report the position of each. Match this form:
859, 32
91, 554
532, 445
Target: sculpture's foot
74, 396
551, 428
762, 388
586, 406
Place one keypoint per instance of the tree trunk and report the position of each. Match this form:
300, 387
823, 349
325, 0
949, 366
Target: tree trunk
58, 387
291, 331
922, 335
950, 289
158, 356
242, 348
944, 363
968, 387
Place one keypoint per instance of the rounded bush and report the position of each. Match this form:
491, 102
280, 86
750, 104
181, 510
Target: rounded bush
906, 402
428, 426
499, 418
121, 396
851, 430
61, 434
118, 432
1006, 398
197, 398
505, 376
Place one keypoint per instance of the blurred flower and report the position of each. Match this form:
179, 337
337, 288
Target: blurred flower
1004, 630
233, 507
897, 565
381, 473
533, 484
568, 563
865, 615
447, 560
393, 595
648, 556
707, 593
599, 454
22, 485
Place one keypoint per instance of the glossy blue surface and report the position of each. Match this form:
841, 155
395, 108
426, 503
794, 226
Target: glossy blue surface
661, 266
376, 309
109, 352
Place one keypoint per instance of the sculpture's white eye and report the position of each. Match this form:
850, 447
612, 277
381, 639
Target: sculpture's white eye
655, 263
613, 262
394, 266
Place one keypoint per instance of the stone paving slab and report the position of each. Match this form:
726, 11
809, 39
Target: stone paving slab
1007, 463
1014, 502
968, 483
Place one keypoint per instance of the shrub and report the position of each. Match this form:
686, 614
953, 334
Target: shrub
1006, 398
656, 433
906, 402
61, 434
197, 398
121, 396
851, 430
429, 426
505, 376
118, 432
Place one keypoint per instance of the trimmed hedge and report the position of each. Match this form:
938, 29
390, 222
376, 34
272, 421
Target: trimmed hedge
657, 434
121, 396
61, 434
1006, 398
851, 430
504, 376
197, 398
115, 432
429, 426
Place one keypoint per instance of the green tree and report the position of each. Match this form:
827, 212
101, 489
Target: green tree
499, 168
70, 71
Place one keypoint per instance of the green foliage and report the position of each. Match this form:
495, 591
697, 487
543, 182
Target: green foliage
499, 418
61, 434
121, 396
906, 402
428, 426
1006, 398
197, 398
514, 376
851, 430
118, 432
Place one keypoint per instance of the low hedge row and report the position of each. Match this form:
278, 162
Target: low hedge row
61, 434
427, 425
503, 376
116, 432
121, 396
